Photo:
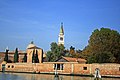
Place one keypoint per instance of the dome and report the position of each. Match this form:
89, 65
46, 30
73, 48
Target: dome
31, 45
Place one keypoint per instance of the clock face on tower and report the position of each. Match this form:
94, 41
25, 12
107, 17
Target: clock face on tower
61, 38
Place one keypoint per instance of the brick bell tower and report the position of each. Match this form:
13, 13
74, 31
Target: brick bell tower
61, 36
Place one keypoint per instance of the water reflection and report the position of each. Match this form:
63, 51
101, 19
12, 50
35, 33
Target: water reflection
24, 76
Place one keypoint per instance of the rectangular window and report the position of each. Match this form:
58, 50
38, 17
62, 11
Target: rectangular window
58, 66
61, 66
54, 66
84, 68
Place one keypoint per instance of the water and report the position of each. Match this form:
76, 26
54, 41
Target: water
24, 76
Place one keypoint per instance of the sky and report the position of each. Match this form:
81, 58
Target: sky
23, 21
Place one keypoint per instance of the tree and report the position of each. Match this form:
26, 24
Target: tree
36, 57
16, 56
25, 57
72, 50
67, 54
75, 53
33, 56
104, 46
105, 57
78, 51
6, 55
56, 51
49, 56
61, 49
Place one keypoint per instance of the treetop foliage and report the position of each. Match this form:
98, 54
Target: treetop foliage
56, 52
16, 56
6, 55
103, 46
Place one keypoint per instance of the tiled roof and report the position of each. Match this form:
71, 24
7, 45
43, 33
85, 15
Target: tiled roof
19, 51
69, 59
35, 47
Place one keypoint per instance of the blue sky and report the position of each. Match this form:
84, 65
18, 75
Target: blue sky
23, 21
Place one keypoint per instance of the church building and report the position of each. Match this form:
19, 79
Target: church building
33, 50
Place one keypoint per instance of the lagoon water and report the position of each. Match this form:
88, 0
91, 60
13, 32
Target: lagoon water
24, 76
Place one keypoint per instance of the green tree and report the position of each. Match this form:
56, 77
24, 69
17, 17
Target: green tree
61, 49
75, 53
6, 55
67, 54
49, 56
91, 59
56, 52
25, 57
72, 50
33, 57
36, 57
105, 57
16, 56
104, 46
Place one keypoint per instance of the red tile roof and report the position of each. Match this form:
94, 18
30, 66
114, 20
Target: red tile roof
69, 59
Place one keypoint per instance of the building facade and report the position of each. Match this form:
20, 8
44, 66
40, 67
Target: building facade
33, 50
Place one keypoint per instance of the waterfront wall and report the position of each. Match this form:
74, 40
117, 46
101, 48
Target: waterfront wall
66, 68
105, 69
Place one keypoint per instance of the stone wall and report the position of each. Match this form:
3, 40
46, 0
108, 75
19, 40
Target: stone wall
20, 67
105, 69
68, 68
11, 57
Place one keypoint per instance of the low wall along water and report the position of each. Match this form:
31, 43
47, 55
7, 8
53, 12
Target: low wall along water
63, 68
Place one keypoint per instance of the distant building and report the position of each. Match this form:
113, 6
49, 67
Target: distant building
29, 51
32, 48
61, 35
11, 56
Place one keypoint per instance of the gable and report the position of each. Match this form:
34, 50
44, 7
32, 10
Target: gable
61, 60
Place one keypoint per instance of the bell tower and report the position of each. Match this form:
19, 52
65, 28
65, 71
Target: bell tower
61, 35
